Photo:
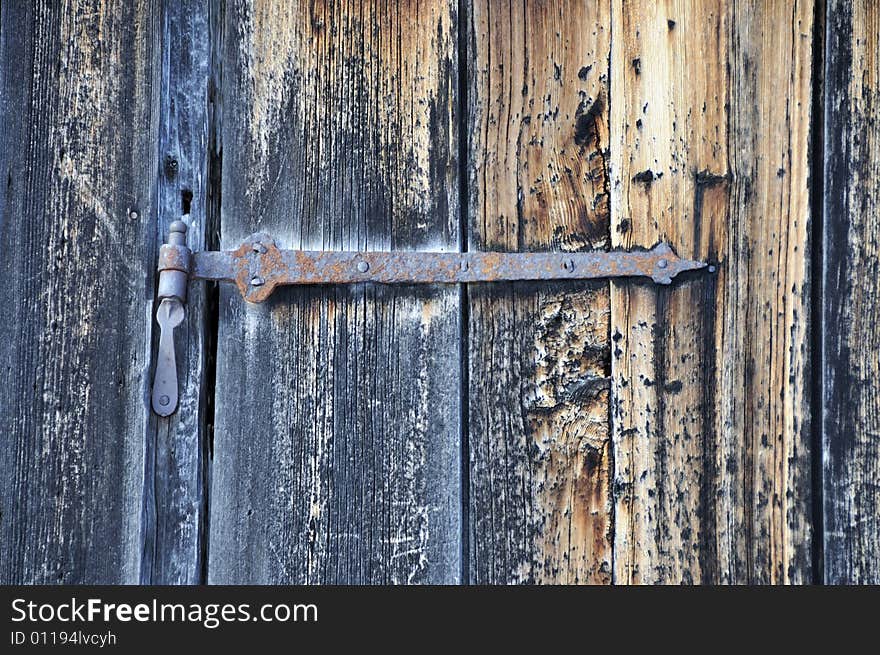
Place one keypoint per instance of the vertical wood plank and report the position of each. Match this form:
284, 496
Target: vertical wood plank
710, 119
851, 266
176, 529
539, 443
77, 166
336, 451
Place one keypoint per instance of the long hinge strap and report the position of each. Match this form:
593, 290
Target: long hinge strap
258, 266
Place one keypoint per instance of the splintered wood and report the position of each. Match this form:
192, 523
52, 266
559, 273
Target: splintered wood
538, 357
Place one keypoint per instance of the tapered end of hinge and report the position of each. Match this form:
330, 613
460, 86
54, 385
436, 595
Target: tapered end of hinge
666, 264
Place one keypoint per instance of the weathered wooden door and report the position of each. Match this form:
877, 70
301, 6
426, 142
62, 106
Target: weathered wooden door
720, 430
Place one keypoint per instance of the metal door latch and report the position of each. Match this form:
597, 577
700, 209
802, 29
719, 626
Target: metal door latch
258, 266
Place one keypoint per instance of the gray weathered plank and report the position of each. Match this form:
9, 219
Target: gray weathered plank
850, 340
177, 448
538, 355
336, 450
76, 223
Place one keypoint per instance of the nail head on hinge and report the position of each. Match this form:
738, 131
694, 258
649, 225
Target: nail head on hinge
363, 267
257, 281
568, 265
662, 263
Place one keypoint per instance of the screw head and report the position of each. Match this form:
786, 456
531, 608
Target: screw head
568, 265
662, 263
363, 267
257, 281
164, 400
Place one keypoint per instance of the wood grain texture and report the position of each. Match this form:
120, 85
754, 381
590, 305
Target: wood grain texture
851, 330
177, 452
710, 119
337, 448
76, 225
538, 355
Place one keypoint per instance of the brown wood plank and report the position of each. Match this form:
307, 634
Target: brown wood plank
710, 119
851, 326
77, 226
538, 355
337, 447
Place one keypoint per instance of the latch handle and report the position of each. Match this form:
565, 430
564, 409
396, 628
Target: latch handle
174, 265
169, 315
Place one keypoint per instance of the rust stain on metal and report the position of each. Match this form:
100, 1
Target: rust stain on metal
241, 269
258, 266
174, 258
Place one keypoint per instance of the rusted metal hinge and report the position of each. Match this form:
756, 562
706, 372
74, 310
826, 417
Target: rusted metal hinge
258, 266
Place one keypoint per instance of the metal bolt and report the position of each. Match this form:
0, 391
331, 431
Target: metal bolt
712, 269
257, 281
568, 264
464, 265
259, 247
164, 400
133, 215
363, 267
662, 263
